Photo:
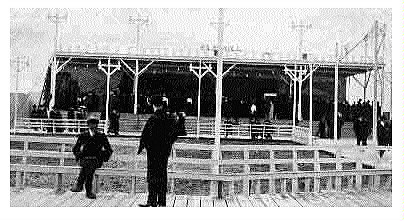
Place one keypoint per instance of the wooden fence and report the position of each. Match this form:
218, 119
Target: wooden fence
243, 169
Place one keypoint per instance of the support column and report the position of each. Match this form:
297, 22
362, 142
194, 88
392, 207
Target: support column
299, 105
218, 119
135, 86
294, 105
107, 102
374, 130
336, 95
311, 109
108, 72
198, 126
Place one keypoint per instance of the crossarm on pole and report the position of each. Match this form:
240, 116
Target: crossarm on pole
128, 67
231, 67
145, 68
311, 71
63, 65
210, 70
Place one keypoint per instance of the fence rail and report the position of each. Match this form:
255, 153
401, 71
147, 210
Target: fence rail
243, 169
206, 129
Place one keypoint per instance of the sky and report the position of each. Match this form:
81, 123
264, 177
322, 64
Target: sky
32, 33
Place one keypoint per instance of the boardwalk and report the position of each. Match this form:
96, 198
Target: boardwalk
32, 197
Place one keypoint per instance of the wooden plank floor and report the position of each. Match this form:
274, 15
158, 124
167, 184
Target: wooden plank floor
32, 197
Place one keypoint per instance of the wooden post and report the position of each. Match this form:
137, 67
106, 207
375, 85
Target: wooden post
231, 188
19, 180
213, 188
246, 186
294, 160
133, 185
389, 182
271, 185
376, 182
219, 189
358, 182
283, 185
24, 162
295, 185
96, 183
370, 181
172, 185
257, 189
59, 182
350, 182
329, 183
271, 161
338, 183
316, 184
307, 182
59, 176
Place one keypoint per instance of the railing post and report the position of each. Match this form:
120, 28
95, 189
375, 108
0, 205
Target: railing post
24, 162
263, 131
41, 125
358, 182
59, 176
358, 178
257, 189
96, 183
370, 181
376, 183
171, 183
53, 126
283, 185
133, 185
19, 180
389, 181
213, 188
295, 185
316, 184
338, 183
329, 183
338, 179
246, 181
231, 188
271, 185
307, 182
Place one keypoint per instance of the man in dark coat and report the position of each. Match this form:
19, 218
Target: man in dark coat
91, 150
158, 135
362, 130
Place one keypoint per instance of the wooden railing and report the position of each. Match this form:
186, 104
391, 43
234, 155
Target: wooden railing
52, 126
207, 128
243, 169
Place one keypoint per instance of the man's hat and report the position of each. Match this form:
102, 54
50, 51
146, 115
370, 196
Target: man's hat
157, 101
92, 119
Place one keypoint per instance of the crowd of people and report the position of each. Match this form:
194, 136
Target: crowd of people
258, 111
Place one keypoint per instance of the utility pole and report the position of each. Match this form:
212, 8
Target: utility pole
21, 63
57, 18
219, 88
301, 28
139, 21
108, 72
375, 84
